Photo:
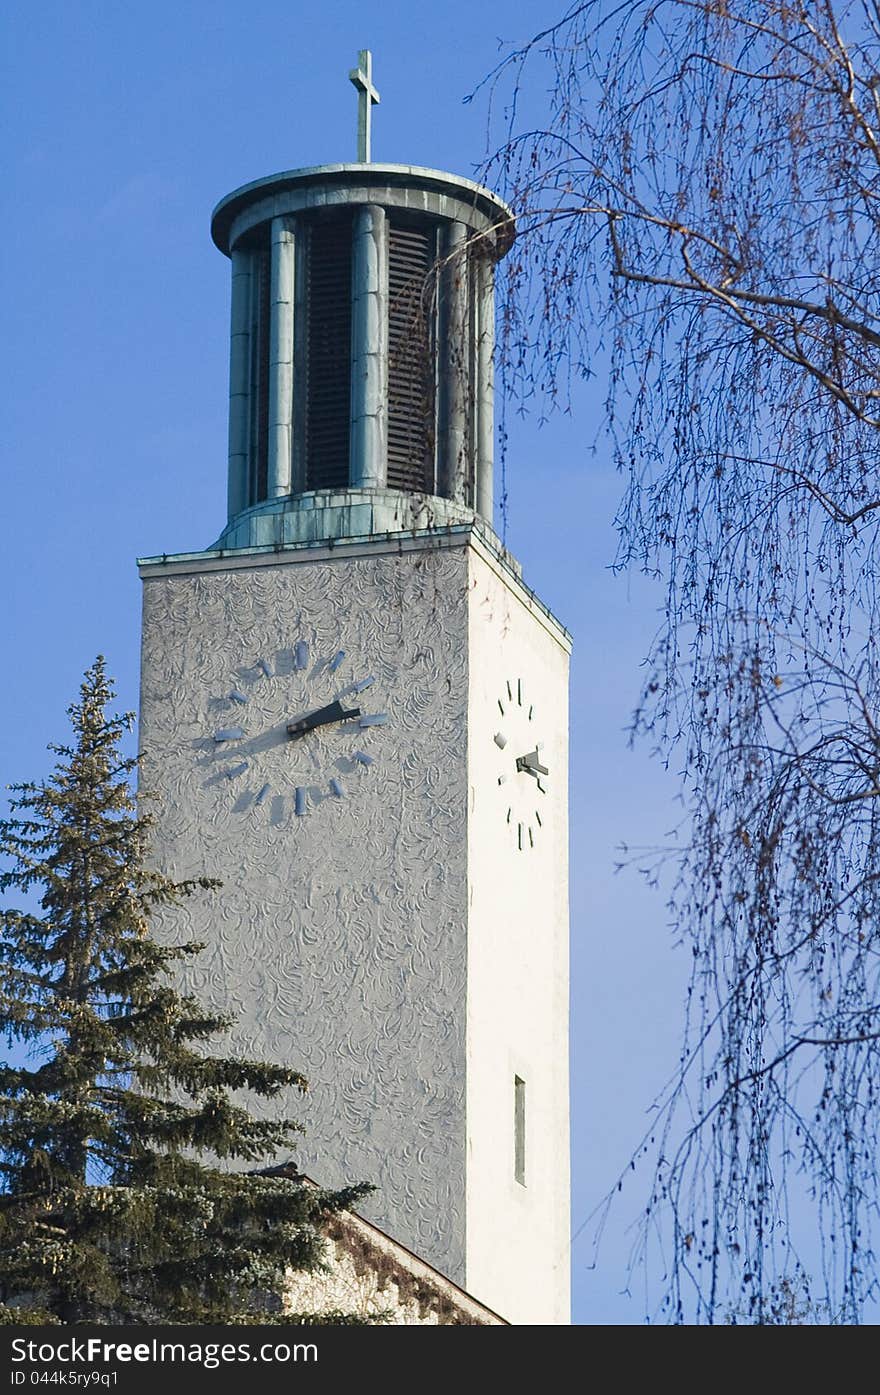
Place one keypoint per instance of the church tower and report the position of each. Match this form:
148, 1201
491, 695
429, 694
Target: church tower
354, 712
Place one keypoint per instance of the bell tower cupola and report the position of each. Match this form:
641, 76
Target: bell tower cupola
362, 336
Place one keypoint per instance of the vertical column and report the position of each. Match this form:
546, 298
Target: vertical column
485, 432
281, 359
453, 455
299, 472
239, 383
369, 348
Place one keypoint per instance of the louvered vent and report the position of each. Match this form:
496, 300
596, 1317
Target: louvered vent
410, 358
258, 484
328, 388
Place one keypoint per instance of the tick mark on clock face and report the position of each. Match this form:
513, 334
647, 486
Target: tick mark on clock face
521, 762
291, 709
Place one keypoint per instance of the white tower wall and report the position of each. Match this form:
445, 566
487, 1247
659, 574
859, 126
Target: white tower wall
392, 941
517, 986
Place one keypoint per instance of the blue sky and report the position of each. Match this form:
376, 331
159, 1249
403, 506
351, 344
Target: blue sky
124, 124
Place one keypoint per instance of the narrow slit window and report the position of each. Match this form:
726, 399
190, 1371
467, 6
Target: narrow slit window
519, 1130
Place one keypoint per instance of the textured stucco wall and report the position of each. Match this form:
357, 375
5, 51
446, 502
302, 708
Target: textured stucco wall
518, 1235
338, 939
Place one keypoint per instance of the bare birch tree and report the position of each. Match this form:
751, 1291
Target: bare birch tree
701, 204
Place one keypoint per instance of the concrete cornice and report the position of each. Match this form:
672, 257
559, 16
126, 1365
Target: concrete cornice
473, 535
291, 189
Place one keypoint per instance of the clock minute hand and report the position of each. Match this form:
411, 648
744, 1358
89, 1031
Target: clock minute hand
530, 764
321, 717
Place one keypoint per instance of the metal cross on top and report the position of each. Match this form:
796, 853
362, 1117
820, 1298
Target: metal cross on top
368, 97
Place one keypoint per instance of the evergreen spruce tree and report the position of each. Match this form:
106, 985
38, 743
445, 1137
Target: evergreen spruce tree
117, 1202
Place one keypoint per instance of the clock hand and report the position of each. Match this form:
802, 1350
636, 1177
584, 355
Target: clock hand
321, 717
530, 765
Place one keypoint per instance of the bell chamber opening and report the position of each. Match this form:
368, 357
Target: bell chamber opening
323, 390
362, 341
413, 251
326, 372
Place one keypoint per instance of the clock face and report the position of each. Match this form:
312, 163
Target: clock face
522, 774
293, 731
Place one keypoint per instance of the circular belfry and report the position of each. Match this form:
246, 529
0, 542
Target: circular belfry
361, 394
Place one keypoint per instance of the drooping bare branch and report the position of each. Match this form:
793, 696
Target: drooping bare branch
699, 222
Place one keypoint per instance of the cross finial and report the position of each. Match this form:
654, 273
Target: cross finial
368, 97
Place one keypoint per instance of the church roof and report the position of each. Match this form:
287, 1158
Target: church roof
369, 1272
